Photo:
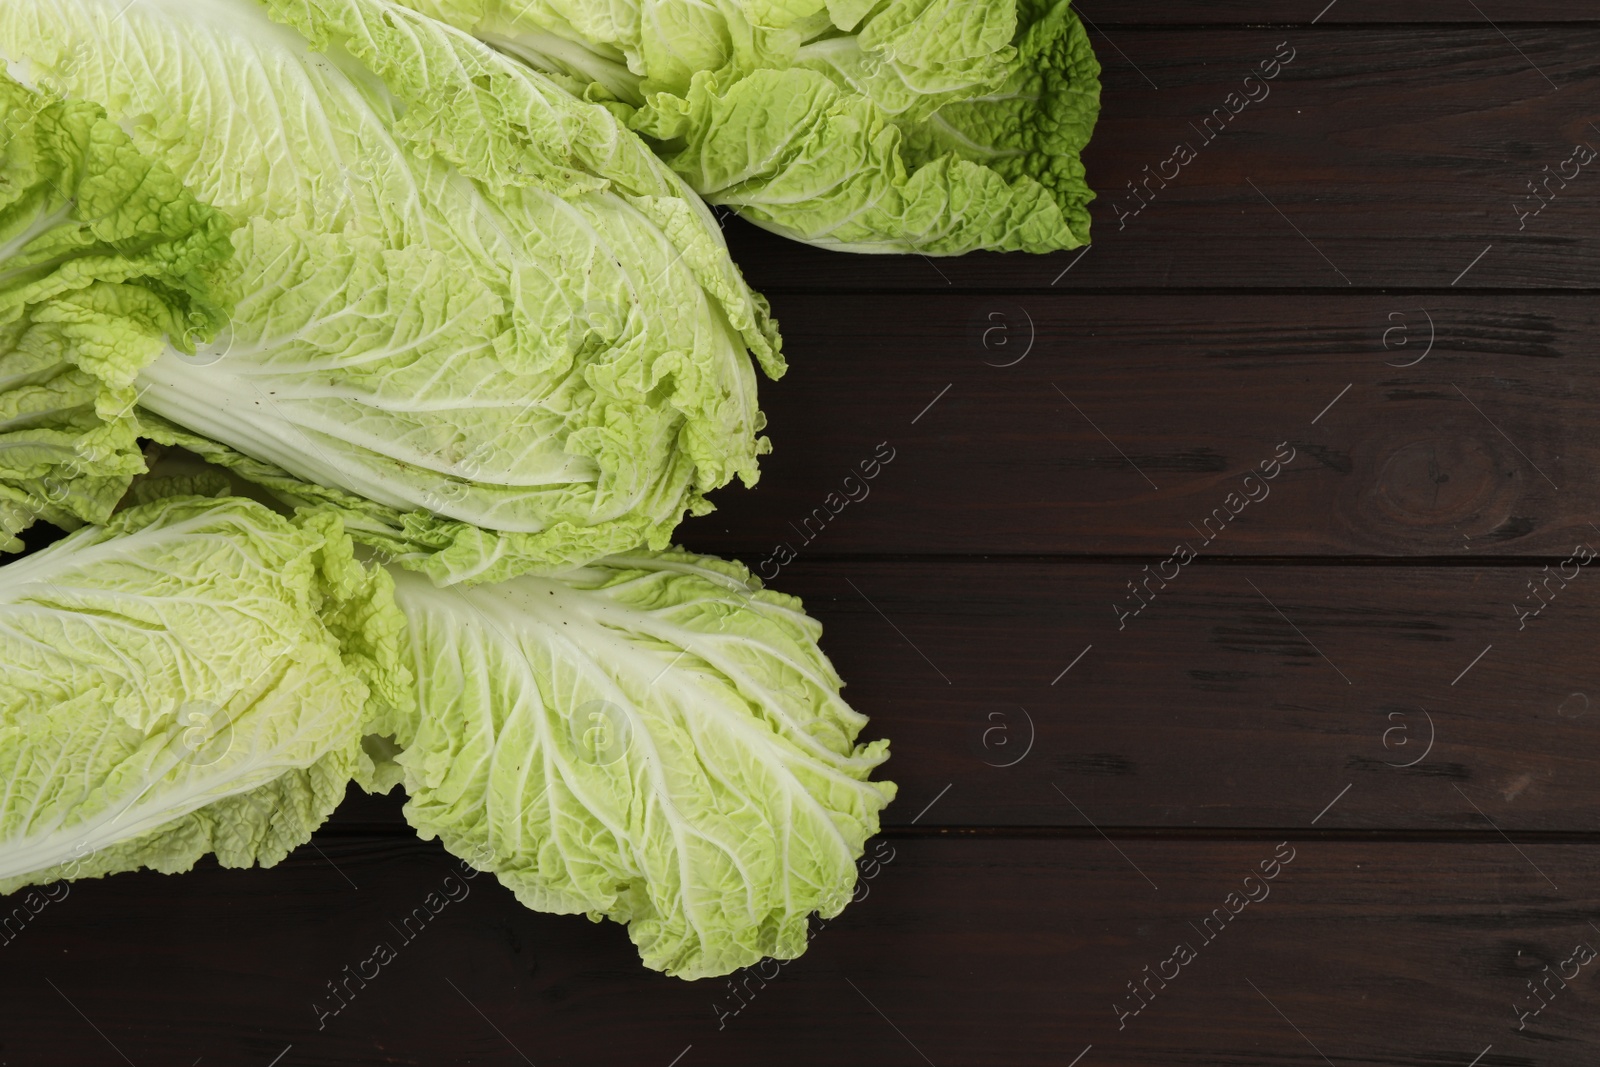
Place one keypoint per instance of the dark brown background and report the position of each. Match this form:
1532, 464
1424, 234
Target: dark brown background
1269, 694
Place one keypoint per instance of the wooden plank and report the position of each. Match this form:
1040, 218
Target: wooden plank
1362, 164
1452, 425
1134, 14
1242, 696
960, 951
1079, 424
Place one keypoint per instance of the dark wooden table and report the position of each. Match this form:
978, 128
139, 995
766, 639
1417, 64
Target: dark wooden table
1375, 680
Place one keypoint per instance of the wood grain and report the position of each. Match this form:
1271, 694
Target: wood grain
1134, 14
1380, 158
961, 951
1209, 708
1460, 425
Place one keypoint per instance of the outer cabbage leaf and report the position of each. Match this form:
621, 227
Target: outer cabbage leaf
931, 126
463, 295
446, 550
651, 739
792, 152
1035, 127
195, 676
103, 255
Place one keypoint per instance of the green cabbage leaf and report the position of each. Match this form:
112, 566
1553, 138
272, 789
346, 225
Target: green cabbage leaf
196, 676
368, 253
103, 257
652, 739
930, 126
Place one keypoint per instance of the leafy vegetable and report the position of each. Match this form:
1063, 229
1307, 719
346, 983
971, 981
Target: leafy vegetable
103, 256
452, 309
470, 312
653, 739
932, 126
192, 677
